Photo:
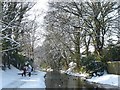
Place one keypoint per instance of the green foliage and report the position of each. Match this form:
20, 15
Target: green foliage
115, 53
21, 59
112, 53
18, 60
83, 69
91, 64
43, 65
97, 57
86, 61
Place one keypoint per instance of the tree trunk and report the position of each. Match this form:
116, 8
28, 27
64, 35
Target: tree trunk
77, 49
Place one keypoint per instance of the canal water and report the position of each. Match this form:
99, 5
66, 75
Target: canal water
57, 80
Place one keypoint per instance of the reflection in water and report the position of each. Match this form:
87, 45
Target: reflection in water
56, 80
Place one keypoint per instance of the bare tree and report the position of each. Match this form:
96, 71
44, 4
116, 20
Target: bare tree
13, 13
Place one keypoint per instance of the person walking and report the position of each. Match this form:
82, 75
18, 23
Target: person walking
24, 70
29, 70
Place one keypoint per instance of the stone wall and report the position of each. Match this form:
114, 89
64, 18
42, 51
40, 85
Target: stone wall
114, 67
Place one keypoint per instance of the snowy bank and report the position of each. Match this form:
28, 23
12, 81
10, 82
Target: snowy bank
69, 71
11, 79
109, 79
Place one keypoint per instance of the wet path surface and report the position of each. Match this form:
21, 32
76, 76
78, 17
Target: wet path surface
57, 80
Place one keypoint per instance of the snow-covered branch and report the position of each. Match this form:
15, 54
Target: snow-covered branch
9, 24
11, 40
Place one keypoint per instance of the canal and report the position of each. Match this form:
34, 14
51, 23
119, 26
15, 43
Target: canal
63, 81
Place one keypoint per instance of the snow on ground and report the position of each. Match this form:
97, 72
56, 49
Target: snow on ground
35, 81
11, 79
0, 78
72, 65
83, 75
9, 76
109, 79
49, 70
